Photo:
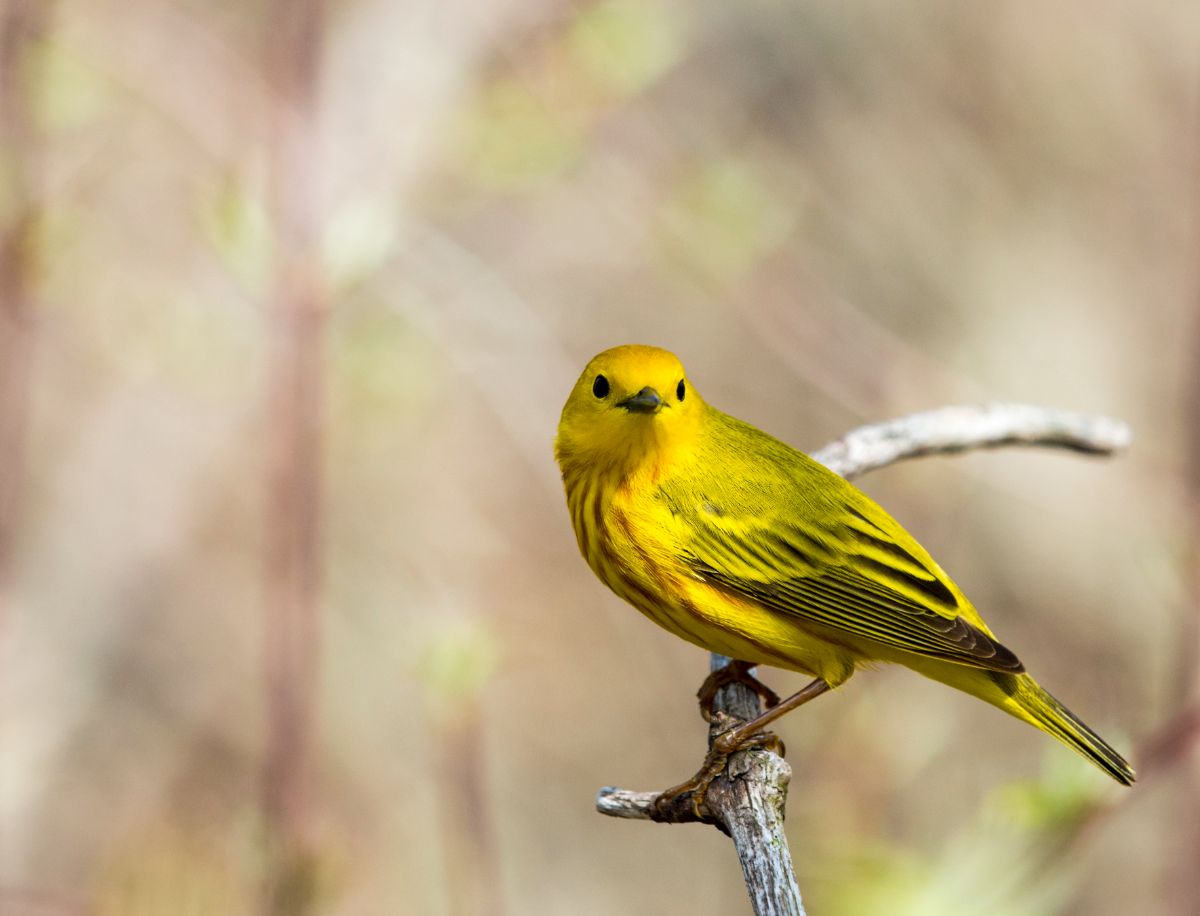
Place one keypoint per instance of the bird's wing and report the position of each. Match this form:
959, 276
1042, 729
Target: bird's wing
852, 572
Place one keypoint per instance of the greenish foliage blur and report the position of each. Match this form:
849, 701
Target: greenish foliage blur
834, 213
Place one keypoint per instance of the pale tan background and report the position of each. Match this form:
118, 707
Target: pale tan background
833, 213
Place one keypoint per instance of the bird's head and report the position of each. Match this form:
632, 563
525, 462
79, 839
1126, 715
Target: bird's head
631, 403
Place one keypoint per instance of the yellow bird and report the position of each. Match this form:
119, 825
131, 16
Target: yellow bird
745, 546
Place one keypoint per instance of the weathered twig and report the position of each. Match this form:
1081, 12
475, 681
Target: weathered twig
747, 800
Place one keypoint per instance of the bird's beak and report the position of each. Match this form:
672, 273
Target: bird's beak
645, 401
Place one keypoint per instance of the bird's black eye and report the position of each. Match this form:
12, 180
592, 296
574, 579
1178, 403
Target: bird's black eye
681, 390
600, 387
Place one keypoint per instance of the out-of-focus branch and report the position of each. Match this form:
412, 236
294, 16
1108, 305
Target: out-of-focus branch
747, 800
294, 38
23, 25
1182, 884
1170, 744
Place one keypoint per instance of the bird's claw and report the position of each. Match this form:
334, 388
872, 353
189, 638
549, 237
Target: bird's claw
736, 672
667, 804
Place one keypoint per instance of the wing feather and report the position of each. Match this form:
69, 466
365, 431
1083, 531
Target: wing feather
851, 574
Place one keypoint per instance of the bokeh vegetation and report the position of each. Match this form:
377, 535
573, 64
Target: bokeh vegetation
291, 617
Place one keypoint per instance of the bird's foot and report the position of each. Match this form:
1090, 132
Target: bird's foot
729, 743
736, 672
686, 800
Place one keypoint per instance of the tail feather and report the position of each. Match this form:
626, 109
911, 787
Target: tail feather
1019, 695
1042, 710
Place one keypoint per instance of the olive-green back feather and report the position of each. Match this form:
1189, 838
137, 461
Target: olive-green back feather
796, 538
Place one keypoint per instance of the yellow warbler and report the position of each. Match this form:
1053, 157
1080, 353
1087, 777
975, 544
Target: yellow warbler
744, 546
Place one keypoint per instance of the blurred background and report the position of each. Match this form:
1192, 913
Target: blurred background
292, 619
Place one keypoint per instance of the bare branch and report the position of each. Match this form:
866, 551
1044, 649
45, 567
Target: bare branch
634, 806
948, 430
747, 800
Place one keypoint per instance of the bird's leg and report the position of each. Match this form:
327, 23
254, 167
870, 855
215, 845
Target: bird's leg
747, 735
737, 738
736, 672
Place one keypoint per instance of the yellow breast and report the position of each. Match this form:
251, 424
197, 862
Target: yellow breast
634, 545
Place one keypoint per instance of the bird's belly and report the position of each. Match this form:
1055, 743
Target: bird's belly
635, 557
749, 631
714, 620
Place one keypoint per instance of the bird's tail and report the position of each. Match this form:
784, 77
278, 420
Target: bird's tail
1030, 702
